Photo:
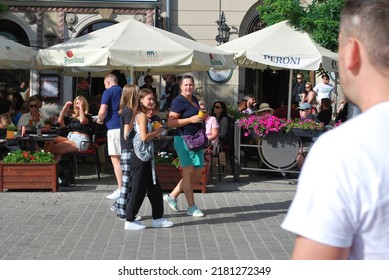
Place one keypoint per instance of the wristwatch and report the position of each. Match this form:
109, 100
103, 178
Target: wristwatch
220, 76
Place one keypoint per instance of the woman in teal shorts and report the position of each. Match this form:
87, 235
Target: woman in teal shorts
184, 115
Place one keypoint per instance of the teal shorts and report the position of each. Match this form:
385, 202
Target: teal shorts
188, 158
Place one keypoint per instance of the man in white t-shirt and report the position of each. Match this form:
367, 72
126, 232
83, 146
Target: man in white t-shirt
345, 214
324, 90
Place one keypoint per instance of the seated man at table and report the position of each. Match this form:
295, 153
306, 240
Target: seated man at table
81, 129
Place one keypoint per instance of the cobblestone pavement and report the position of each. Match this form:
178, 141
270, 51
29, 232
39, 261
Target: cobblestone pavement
242, 222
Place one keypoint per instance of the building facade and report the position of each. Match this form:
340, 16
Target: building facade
40, 24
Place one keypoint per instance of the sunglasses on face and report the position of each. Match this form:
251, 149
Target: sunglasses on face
33, 106
216, 107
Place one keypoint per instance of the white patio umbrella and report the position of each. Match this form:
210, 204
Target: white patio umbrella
134, 46
280, 46
14, 55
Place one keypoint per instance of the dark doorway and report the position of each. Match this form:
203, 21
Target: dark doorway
266, 85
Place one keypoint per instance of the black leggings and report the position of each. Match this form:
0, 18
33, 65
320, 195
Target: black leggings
142, 183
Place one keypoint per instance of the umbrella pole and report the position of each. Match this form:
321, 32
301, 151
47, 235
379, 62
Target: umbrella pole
90, 86
290, 93
132, 75
336, 94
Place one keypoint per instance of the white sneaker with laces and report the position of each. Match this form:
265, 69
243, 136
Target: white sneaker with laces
137, 218
162, 223
135, 225
115, 195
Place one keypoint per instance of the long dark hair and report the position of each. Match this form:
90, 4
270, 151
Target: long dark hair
138, 107
223, 113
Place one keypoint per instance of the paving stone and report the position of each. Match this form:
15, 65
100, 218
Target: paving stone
242, 222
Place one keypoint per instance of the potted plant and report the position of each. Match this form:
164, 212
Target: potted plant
260, 126
47, 124
11, 129
305, 128
167, 168
26, 170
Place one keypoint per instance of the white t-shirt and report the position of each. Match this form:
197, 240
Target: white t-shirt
211, 123
24, 119
349, 204
324, 91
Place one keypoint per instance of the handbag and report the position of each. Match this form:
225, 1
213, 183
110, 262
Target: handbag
143, 150
196, 142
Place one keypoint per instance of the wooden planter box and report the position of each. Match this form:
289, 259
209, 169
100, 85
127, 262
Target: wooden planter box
169, 176
16, 176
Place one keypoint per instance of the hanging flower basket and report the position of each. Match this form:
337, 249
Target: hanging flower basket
299, 132
260, 126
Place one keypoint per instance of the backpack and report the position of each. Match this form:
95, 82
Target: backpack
66, 171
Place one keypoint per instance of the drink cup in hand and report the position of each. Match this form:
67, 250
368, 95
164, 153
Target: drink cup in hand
156, 125
202, 112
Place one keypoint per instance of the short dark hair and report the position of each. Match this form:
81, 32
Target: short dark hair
366, 20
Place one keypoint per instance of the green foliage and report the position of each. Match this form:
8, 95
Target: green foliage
320, 18
164, 157
48, 121
233, 112
12, 127
3, 8
27, 157
304, 124
274, 11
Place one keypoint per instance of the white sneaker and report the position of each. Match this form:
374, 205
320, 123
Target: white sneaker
115, 195
162, 222
135, 225
137, 218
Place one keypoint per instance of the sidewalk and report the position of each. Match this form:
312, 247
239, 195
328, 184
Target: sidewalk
242, 222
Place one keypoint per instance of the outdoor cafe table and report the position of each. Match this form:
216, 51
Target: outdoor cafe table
32, 139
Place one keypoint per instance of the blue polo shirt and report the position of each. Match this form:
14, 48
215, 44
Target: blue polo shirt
111, 97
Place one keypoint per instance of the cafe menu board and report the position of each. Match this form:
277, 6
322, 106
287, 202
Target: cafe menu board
49, 85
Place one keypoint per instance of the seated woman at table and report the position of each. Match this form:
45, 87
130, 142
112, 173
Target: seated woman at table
80, 125
34, 117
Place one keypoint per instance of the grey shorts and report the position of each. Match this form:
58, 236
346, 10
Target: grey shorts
78, 139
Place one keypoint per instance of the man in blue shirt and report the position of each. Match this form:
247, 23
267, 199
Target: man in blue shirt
109, 113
